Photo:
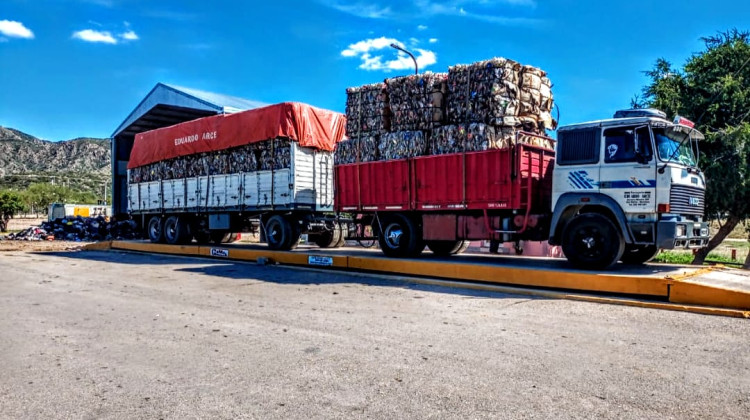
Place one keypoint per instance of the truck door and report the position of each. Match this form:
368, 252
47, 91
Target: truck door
628, 173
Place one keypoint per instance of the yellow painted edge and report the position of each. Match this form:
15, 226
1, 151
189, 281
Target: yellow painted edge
701, 294
98, 246
735, 313
157, 248
627, 284
687, 275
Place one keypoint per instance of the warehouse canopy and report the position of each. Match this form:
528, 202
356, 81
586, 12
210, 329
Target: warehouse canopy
164, 106
167, 105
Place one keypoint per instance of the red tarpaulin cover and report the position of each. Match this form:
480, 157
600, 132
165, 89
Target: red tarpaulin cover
310, 126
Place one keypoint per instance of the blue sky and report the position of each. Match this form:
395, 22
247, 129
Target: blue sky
71, 68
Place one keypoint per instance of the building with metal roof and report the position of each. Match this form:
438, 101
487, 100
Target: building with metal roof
165, 105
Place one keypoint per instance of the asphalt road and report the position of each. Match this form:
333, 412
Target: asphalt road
121, 335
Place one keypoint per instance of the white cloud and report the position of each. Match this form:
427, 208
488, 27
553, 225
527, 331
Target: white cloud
433, 40
13, 29
129, 35
360, 9
90, 35
493, 11
367, 49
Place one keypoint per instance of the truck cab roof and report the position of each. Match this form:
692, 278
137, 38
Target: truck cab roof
618, 122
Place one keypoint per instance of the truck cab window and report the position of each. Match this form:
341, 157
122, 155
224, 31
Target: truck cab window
619, 145
644, 144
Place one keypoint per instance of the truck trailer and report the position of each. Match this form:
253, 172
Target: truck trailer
268, 169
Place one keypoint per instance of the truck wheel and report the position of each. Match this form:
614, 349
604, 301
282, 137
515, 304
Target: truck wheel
591, 241
175, 230
328, 238
639, 254
446, 248
281, 234
342, 237
400, 237
155, 230
222, 237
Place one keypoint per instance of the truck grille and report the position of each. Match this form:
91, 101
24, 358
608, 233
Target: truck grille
687, 200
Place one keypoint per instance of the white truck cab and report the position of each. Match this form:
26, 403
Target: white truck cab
625, 187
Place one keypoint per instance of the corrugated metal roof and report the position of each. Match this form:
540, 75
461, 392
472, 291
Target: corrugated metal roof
171, 104
228, 103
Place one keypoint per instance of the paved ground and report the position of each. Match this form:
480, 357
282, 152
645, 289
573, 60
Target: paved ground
117, 335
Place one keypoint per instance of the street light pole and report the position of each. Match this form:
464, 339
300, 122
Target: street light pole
416, 68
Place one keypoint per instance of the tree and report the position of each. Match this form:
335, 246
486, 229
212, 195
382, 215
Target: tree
10, 204
713, 89
41, 195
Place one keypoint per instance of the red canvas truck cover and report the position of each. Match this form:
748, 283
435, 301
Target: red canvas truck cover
311, 127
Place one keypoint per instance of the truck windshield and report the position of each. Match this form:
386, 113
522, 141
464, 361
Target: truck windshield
674, 145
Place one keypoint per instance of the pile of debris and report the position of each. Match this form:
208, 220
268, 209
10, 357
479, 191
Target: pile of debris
489, 104
79, 229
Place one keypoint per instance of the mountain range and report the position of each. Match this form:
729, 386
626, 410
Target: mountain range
22, 153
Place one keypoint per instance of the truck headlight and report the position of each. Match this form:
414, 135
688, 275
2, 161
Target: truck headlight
704, 231
681, 229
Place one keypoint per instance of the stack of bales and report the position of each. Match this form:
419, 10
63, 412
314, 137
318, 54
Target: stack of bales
261, 156
367, 116
474, 107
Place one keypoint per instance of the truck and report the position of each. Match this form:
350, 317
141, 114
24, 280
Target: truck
428, 161
611, 190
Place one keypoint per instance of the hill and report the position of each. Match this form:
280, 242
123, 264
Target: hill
82, 163
22, 153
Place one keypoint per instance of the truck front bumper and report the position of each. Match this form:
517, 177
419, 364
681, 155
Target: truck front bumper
671, 234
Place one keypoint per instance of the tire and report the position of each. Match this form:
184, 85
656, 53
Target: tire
592, 242
639, 254
281, 234
221, 237
175, 231
328, 238
446, 248
400, 237
202, 237
342, 237
155, 230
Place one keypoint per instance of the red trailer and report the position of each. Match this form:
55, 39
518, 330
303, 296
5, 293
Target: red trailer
443, 201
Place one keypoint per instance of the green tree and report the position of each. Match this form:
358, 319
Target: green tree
713, 89
10, 205
41, 195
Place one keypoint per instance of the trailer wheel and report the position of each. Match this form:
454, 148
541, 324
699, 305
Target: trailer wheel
446, 248
222, 237
202, 237
155, 230
328, 238
281, 234
400, 237
591, 241
175, 230
342, 237
639, 254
